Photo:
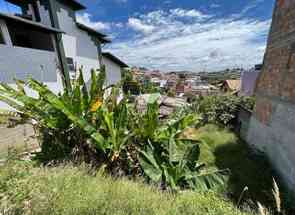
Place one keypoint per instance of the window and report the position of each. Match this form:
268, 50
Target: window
29, 37
70, 63
1, 37
72, 71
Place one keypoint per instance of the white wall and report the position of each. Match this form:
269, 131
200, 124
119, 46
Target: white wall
70, 46
23, 63
113, 71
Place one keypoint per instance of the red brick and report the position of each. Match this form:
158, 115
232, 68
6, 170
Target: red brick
263, 110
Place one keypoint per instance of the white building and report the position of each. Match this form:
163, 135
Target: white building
47, 43
114, 67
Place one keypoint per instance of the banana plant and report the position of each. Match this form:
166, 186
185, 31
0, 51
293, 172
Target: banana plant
180, 170
113, 125
173, 162
72, 110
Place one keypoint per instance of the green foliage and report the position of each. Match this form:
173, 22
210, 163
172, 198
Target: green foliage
68, 121
222, 109
222, 149
148, 88
93, 127
130, 86
172, 161
248, 102
71, 190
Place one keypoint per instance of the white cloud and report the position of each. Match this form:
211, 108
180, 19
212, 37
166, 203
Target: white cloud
203, 42
138, 25
85, 19
187, 13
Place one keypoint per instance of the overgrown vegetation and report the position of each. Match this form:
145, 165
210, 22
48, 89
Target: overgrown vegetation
78, 190
222, 109
95, 127
251, 178
182, 155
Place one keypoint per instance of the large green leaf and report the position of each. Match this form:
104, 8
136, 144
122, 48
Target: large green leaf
149, 164
60, 105
84, 94
35, 108
209, 179
192, 156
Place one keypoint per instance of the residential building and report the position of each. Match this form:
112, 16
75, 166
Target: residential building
205, 90
231, 86
46, 43
114, 67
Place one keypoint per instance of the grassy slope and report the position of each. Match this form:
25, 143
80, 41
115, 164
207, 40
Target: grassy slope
69, 190
224, 150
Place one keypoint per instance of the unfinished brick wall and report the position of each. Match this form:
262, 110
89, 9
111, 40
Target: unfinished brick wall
22, 138
272, 126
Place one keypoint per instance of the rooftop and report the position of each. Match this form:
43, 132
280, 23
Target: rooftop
234, 84
101, 36
115, 59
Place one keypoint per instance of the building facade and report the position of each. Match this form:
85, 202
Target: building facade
47, 43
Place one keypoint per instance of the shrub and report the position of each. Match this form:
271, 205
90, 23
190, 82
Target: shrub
221, 109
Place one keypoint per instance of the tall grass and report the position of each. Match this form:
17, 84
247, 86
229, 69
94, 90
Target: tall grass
222, 149
72, 190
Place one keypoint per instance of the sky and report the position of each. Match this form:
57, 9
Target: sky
174, 35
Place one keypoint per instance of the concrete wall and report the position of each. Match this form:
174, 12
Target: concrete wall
113, 71
272, 125
22, 63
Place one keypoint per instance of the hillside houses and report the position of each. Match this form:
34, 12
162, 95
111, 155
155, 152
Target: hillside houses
181, 84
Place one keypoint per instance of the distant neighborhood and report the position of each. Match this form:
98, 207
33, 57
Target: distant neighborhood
187, 84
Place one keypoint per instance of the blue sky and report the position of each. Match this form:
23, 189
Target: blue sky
190, 35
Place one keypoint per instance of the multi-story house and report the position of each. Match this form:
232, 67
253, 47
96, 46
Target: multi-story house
47, 43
